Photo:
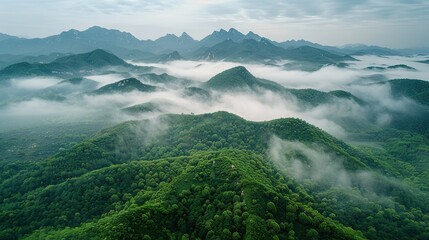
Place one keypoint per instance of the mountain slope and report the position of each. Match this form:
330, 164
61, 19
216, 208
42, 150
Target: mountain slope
124, 86
239, 78
209, 176
219, 36
92, 60
247, 50
417, 90
311, 54
214, 197
174, 43
6, 36
73, 63
68, 66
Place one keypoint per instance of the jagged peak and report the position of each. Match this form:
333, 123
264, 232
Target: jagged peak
233, 30
184, 35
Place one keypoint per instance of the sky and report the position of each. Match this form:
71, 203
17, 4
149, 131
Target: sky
390, 23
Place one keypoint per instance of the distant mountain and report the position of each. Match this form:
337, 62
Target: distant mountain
290, 44
72, 41
6, 36
66, 65
124, 86
120, 43
222, 35
362, 49
311, 54
260, 51
27, 69
155, 58
171, 42
252, 35
375, 68
247, 50
232, 34
399, 66
12, 59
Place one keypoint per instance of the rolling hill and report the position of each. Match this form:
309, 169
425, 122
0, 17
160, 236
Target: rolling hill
204, 176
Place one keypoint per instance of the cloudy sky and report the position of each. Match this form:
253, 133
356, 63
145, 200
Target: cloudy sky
391, 23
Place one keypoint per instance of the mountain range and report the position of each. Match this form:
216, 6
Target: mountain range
74, 41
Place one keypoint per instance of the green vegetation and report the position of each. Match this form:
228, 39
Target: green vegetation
206, 176
240, 78
417, 90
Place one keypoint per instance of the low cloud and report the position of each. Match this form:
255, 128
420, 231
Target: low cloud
35, 83
314, 162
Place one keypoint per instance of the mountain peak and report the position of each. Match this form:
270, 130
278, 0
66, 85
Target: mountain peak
236, 77
186, 36
233, 30
252, 35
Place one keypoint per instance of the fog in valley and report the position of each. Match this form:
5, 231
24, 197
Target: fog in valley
29, 108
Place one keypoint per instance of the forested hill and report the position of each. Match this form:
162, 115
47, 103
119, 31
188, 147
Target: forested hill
208, 176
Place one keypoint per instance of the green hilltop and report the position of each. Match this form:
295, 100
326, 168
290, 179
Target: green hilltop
202, 177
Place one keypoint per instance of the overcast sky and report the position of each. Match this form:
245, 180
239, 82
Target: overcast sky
391, 23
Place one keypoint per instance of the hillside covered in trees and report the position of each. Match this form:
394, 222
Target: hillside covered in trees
211, 176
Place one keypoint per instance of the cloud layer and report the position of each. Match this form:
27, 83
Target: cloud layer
252, 106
